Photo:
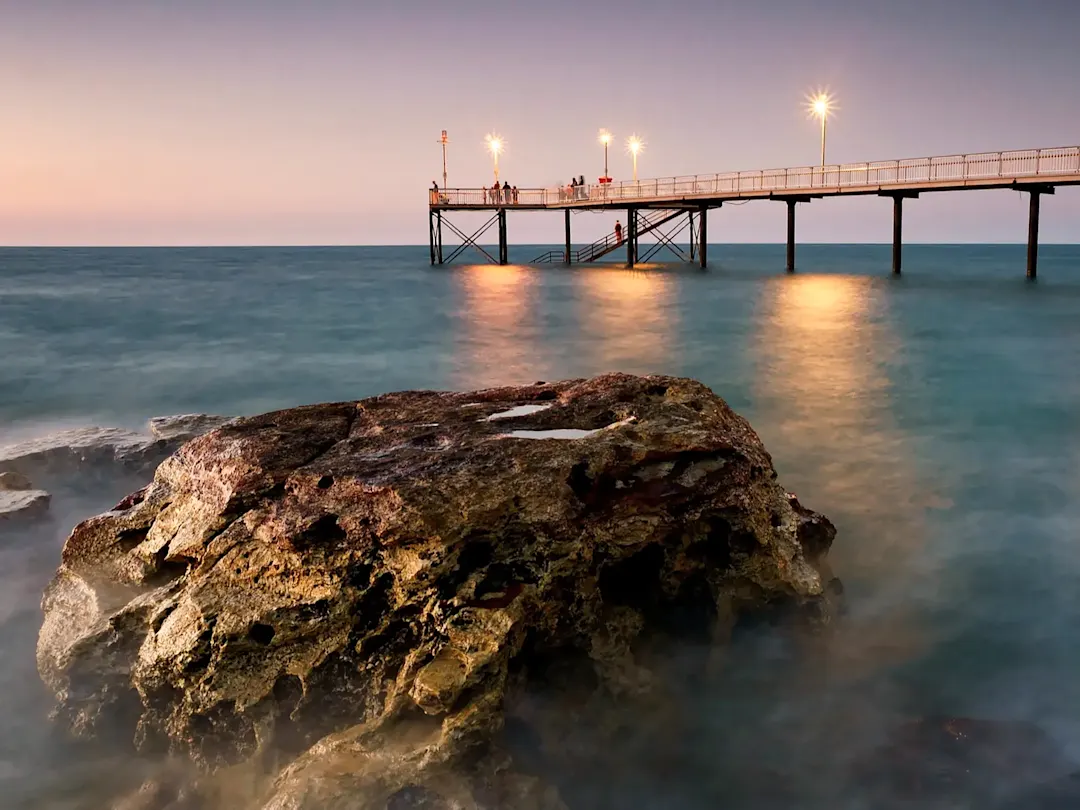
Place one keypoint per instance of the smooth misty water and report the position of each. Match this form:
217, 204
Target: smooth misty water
933, 417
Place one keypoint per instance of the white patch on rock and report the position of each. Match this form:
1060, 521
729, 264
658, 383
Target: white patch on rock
24, 504
566, 433
518, 410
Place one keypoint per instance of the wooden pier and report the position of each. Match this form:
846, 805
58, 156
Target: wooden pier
665, 207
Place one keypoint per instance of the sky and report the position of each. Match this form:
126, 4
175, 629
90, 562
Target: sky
216, 122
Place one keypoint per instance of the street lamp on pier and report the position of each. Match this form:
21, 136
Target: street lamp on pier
444, 141
821, 105
605, 139
495, 146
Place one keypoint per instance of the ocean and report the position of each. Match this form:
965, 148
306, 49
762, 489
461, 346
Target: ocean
933, 417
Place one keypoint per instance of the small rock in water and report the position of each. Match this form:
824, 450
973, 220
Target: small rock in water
23, 504
14, 482
185, 426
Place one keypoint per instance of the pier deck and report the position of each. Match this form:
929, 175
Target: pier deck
1036, 171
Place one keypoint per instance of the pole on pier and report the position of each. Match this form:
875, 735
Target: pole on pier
566, 213
703, 237
1033, 235
438, 237
503, 256
631, 236
791, 236
897, 232
431, 233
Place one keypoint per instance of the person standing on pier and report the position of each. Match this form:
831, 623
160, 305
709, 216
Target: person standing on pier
496, 193
506, 193
434, 193
618, 232
514, 194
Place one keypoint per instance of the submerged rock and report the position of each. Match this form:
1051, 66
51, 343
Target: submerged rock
23, 504
14, 482
378, 582
184, 427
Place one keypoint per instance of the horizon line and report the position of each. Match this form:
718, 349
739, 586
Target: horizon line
347, 245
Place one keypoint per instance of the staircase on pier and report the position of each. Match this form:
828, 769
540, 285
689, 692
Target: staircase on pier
648, 220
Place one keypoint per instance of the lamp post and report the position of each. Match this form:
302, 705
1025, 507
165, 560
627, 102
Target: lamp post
634, 145
820, 106
605, 139
495, 146
444, 141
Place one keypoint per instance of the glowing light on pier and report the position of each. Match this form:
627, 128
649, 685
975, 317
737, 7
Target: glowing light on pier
495, 147
821, 105
635, 145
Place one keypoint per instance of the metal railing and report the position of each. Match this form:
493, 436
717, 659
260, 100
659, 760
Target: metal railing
928, 171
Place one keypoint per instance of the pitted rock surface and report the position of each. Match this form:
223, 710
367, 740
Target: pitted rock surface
370, 581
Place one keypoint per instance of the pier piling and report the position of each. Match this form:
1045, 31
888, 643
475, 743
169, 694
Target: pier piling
703, 236
1033, 234
897, 232
567, 213
503, 254
631, 236
790, 236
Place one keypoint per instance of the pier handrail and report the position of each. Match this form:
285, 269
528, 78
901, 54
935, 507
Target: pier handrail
870, 174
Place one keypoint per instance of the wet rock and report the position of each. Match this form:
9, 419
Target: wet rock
951, 762
184, 427
374, 582
23, 504
14, 482
72, 450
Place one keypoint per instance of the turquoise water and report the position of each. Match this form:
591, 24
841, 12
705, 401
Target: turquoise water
933, 417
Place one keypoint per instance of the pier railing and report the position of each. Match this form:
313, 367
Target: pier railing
928, 171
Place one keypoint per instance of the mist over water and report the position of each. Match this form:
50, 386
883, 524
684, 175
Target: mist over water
932, 418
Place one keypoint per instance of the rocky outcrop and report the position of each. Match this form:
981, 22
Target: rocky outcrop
79, 448
369, 589
96, 448
184, 427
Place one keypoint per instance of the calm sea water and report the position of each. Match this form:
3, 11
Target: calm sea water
933, 417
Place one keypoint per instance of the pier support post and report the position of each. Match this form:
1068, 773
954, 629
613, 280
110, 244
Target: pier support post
791, 236
703, 237
431, 233
631, 236
566, 257
438, 237
502, 237
897, 232
1033, 229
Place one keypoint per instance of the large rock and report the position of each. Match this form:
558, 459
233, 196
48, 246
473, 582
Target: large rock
380, 581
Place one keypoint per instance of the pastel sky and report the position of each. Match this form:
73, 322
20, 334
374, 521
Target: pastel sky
315, 121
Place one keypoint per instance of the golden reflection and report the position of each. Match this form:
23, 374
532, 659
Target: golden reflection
628, 318
825, 412
502, 341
